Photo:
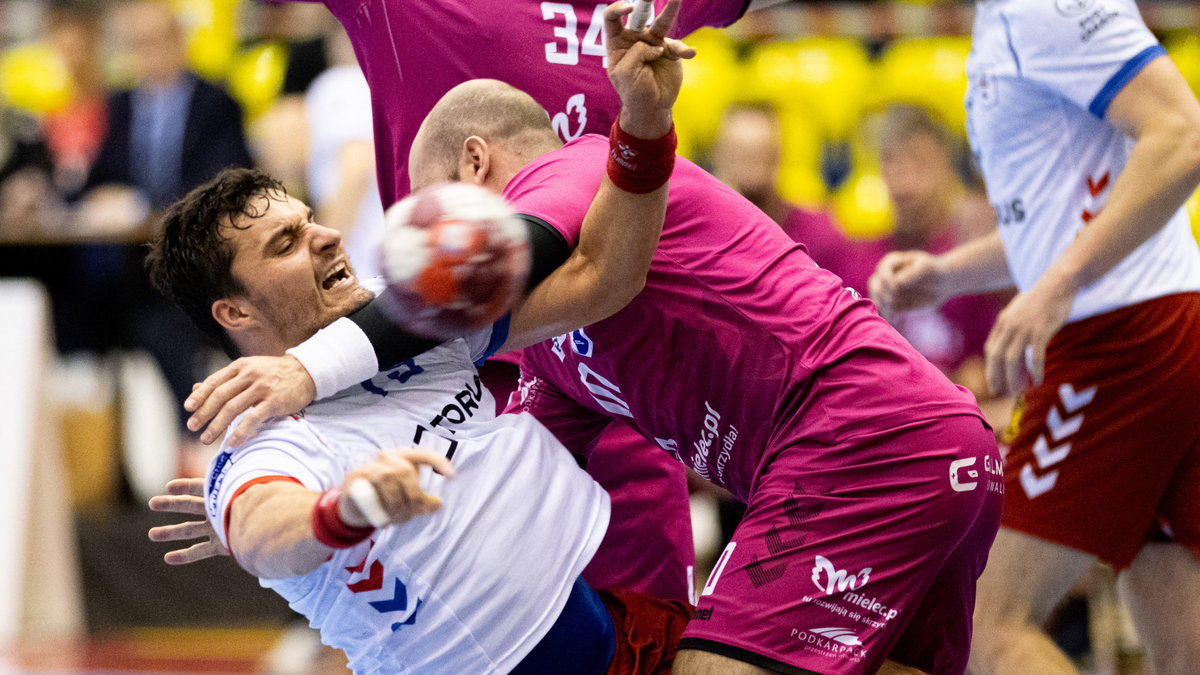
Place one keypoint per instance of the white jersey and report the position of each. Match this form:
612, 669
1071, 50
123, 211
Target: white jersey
1041, 76
338, 104
471, 588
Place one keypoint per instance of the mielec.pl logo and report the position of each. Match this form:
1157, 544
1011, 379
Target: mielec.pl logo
831, 580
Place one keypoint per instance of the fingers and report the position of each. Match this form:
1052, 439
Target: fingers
665, 21
192, 529
186, 486
187, 504
613, 26
676, 49
251, 422
396, 478
1004, 352
201, 551
201, 391
437, 462
1037, 360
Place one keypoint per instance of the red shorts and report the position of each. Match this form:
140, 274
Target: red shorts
1107, 449
647, 631
854, 555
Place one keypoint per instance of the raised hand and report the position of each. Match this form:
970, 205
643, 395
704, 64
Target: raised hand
644, 68
395, 476
186, 496
1018, 341
272, 385
905, 280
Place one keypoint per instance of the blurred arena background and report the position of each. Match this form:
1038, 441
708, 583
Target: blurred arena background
89, 426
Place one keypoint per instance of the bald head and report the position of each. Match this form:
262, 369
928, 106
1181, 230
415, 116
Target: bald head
512, 129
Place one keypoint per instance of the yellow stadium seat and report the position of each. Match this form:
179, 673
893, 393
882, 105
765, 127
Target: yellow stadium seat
861, 205
211, 27
34, 78
928, 71
825, 78
256, 77
709, 83
800, 178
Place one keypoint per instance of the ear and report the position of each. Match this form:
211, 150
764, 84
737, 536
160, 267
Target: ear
232, 314
475, 161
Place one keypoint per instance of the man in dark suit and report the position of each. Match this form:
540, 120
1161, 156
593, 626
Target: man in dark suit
171, 132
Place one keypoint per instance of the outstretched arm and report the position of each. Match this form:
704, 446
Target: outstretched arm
276, 530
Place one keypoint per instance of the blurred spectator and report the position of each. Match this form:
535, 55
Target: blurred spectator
168, 134
935, 210
173, 130
341, 164
25, 169
75, 133
746, 157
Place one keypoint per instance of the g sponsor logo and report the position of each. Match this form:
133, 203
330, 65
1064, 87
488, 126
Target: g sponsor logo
956, 467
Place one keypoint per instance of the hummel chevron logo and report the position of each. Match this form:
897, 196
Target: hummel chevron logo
1046, 457
1095, 188
1072, 400
373, 581
1060, 428
397, 603
1034, 485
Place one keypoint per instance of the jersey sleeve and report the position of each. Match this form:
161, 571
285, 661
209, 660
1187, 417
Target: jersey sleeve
575, 426
558, 187
1087, 51
697, 14
283, 452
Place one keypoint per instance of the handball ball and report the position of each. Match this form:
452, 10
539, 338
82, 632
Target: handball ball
455, 259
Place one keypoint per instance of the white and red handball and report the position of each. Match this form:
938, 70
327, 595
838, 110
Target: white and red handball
455, 259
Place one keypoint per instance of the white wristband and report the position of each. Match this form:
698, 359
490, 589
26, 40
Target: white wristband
338, 356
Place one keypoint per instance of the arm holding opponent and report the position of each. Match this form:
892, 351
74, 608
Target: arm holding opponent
605, 271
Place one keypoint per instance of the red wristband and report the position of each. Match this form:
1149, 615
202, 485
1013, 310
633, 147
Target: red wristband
329, 528
640, 165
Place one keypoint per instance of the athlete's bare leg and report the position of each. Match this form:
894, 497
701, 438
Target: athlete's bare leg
893, 668
697, 662
1025, 579
1162, 588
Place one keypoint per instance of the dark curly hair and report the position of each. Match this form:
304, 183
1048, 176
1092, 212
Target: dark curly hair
190, 259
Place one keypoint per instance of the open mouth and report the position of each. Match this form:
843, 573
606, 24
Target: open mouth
337, 276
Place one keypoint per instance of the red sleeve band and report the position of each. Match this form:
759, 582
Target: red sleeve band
640, 165
328, 527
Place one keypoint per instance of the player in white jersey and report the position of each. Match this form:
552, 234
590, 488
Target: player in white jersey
471, 587
1089, 142
478, 574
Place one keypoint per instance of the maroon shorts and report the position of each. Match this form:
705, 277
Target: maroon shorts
854, 555
1107, 448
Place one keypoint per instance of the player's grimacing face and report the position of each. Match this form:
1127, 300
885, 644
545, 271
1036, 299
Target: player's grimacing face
296, 274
